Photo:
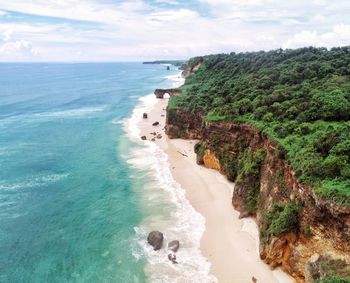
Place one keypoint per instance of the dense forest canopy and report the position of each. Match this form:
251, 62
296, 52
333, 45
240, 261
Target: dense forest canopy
298, 98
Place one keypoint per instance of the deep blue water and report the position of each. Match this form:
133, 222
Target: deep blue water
67, 206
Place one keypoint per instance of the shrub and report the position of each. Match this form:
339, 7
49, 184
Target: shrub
334, 279
281, 219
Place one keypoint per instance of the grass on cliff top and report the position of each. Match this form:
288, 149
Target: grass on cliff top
298, 98
334, 279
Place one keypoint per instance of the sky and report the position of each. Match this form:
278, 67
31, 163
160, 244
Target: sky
137, 30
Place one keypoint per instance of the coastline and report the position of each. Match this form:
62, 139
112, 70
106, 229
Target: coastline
229, 243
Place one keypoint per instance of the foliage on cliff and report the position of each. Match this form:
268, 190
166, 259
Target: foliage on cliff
280, 219
299, 98
334, 280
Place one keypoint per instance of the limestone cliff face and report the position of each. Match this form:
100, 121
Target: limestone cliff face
189, 69
183, 124
266, 185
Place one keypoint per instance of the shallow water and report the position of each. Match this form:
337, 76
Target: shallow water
75, 205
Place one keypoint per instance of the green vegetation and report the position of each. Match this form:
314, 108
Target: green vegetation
334, 280
280, 219
335, 267
248, 175
298, 98
307, 231
199, 149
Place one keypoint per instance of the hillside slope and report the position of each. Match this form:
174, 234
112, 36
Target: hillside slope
277, 124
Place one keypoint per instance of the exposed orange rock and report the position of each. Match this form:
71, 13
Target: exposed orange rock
210, 160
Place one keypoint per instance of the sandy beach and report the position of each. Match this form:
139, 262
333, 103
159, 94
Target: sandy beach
229, 243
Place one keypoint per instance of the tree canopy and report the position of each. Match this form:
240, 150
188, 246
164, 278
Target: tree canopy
299, 98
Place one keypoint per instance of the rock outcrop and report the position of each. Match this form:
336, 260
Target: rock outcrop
322, 266
294, 222
189, 69
155, 239
174, 246
159, 93
183, 124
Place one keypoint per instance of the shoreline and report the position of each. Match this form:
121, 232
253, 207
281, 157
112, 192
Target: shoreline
230, 244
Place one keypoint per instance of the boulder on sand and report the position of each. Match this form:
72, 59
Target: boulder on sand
155, 239
155, 123
172, 258
174, 246
145, 116
143, 138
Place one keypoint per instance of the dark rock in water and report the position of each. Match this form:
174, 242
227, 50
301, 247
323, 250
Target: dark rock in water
153, 139
145, 116
168, 68
174, 246
143, 138
155, 239
155, 123
172, 258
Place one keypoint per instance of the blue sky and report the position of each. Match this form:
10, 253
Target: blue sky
115, 30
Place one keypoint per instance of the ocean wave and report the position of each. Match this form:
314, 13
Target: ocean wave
175, 80
117, 121
181, 222
76, 113
33, 182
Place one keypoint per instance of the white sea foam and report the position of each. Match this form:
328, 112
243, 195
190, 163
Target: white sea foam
181, 221
77, 113
32, 182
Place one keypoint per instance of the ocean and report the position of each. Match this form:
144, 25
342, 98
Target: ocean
79, 190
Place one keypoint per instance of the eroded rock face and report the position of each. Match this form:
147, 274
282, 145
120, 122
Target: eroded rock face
210, 160
159, 93
321, 226
320, 266
277, 251
174, 246
155, 239
192, 69
183, 124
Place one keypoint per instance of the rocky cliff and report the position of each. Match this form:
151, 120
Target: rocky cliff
305, 235
159, 93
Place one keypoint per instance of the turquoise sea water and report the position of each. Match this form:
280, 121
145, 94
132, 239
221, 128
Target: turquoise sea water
69, 200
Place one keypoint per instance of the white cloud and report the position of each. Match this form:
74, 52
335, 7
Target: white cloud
338, 36
76, 10
136, 30
19, 47
7, 34
169, 2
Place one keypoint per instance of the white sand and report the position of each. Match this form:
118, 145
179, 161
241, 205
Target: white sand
229, 243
